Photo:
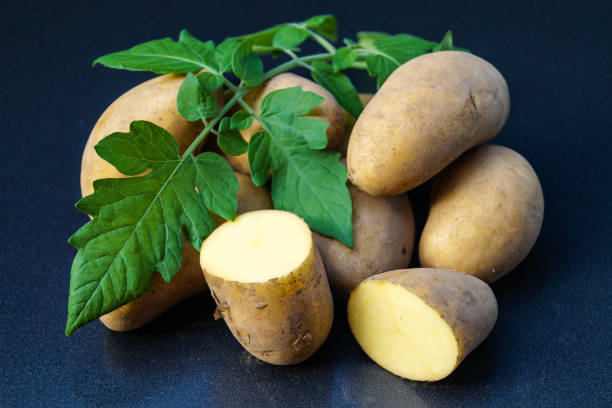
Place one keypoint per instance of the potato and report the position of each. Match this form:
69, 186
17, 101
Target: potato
428, 112
329, 110
486, 213
349, 122
153, 101
383, 230
270, 285
421, 323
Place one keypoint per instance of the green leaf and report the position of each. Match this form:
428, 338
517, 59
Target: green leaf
293, 100
246, 65
325, 25
289, 37
204, 50
241, 120
193, 102
260, 160
310, 183
224, 53
343, 58
381, 67
261, 38
161, 56
136, 224
339, 85
447, 44
210, 82
366, 38
142, 148
230, 140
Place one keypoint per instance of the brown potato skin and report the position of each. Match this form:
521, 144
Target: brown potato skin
485, 216
428, 112
349, 123
383, 235
281, 321
189, 280
153, 101
329, 110
466, 303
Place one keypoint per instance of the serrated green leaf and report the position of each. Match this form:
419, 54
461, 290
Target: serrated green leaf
343, 58
289, 37
241, 120
136, 224
142, 148
311, 183
246, 65
160, 56
339, 85
261, 38
230, 140
224, 53
260, 160
403, 47
325, 25
293, 100
210, 82
366, 38
193, 102
381, 67
205, 50
217, 183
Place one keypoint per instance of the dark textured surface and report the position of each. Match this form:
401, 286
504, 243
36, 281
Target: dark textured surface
552, 343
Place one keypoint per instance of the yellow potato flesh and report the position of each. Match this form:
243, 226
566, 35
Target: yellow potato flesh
401, 333
257, 246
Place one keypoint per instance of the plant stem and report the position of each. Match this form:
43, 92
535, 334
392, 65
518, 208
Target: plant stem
237, 96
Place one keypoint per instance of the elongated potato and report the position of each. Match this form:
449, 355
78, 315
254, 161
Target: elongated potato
486, 213
189, 280
153, 101
349, 123
428, 112
421, 323
270, 286
329, 110
383, 230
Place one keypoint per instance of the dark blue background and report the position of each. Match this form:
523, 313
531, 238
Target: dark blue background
553, 340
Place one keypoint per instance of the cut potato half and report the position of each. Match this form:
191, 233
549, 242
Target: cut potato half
269, 284
420, 323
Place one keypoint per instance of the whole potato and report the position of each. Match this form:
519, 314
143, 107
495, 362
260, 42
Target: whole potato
329, 111
383, 229
486, 213
428, 112
153, 101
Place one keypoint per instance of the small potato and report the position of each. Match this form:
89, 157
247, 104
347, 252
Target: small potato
486, 213
383, 230
269, 284
428, 112
421, 323
349, 123
329, 110
153, 101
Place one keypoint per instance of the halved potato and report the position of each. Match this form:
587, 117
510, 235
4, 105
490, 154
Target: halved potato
421, 323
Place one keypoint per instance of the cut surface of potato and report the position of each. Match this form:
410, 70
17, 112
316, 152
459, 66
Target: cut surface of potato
257, 246
401, 332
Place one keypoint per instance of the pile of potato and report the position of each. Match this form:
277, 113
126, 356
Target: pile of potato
271, 277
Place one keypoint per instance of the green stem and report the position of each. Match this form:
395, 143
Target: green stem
322, 41
237, 96
295, 63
